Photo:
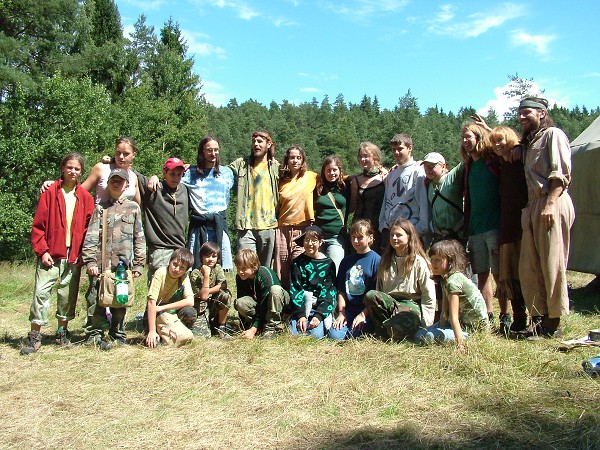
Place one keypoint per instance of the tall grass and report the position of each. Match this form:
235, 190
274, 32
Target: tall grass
292, 393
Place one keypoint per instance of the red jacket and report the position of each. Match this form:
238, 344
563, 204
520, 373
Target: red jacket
49, 229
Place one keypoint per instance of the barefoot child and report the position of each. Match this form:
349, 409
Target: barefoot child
357, 276
261, 298
312, 289
57, 233
210, 290
463, 307
170, 308
405, 295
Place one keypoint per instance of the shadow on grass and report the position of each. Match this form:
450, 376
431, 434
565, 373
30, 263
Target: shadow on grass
517, 425
586, 299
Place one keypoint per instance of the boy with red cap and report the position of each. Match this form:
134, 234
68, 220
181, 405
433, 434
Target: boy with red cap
165, 214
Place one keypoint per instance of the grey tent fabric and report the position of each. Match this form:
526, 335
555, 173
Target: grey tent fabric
585, 234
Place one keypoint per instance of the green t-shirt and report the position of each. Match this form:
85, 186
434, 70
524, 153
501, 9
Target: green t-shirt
485, 199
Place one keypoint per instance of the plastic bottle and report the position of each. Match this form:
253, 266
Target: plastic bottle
121, 284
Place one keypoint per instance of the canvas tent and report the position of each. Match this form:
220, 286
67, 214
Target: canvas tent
585, 234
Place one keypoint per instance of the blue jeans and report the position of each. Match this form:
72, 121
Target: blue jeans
317, 333
435, 333
334, 248
346, 332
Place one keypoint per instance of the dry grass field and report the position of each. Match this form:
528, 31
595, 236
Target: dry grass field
291, 393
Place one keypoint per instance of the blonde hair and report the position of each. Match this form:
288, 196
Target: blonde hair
247, 258
372, 150
507, 133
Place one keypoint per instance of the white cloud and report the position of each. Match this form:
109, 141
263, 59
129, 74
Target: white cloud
362, 8
310, 90
538, 42
242, 9
215, 93
199, 48
146, 5
475, 24
502, 104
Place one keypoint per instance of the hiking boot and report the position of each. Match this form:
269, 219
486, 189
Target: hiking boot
505, 322
534, 329
62, 338
34, 342
98, 342
118, 341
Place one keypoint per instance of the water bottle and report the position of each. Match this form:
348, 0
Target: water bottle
121, 284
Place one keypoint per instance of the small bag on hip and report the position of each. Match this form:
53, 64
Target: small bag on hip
107, 289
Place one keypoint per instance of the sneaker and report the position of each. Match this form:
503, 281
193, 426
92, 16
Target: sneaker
268, 334
34, 342
98, 342
223, 332
63, 338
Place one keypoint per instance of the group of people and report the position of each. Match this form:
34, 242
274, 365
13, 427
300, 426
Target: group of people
503, 213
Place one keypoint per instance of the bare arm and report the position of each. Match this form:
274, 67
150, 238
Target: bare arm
453, 303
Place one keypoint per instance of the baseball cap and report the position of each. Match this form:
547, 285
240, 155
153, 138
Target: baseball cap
173, 163
434, 158
121, 173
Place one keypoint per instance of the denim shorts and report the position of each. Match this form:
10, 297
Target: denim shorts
484, 252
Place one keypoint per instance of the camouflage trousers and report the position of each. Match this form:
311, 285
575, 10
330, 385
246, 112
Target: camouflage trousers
392, 319
273, 304
208, 312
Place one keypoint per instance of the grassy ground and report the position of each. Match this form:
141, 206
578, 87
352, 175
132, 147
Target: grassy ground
294, 393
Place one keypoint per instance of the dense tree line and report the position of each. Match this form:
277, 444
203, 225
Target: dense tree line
70, 81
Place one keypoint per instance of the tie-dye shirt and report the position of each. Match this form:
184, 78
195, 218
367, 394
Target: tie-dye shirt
208, 194
261, 213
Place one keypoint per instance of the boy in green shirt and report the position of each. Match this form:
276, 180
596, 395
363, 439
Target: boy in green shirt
261, 298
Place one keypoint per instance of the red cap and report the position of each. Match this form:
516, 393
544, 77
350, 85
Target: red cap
173, 163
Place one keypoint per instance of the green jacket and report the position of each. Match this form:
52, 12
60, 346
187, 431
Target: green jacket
241, 169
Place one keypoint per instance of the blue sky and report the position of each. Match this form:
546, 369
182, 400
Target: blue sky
449, 54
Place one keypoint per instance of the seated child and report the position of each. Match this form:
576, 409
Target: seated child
57, 233
261, 298
405, 296
171, 293
312, 289
210, 293
357, 275
124, 242
463, 307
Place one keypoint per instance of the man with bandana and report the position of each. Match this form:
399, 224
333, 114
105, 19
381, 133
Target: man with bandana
546, 220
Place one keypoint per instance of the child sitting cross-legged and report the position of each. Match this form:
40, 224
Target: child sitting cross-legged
261, 298
463, 307
170, 309
312, 289
357, 276
210, 293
